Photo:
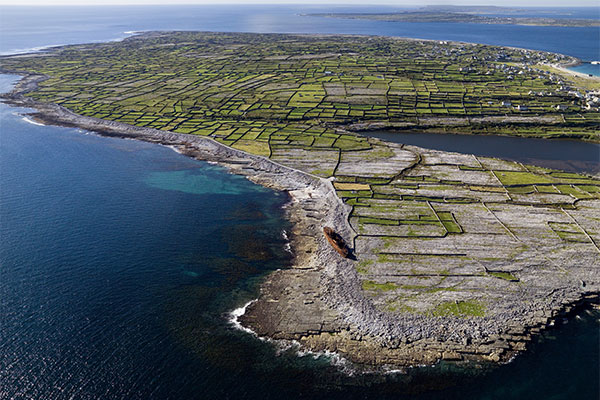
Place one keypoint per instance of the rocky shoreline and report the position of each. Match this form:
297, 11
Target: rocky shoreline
319, 301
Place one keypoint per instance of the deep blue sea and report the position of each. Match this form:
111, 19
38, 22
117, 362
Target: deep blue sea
120, 260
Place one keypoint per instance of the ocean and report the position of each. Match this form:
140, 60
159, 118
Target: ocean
121, 261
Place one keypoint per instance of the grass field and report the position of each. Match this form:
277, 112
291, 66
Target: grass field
421, 217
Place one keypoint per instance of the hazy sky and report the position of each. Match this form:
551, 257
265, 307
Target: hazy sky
522, 3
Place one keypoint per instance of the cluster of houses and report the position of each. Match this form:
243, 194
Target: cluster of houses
589, 100
592, 101
527, 61
519, 107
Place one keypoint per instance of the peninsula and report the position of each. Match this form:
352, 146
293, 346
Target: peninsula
458, 257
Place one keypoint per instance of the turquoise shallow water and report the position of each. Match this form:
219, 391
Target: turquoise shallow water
588, 68
205, 181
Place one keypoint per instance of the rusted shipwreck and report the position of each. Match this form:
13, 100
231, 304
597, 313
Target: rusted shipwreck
336, 242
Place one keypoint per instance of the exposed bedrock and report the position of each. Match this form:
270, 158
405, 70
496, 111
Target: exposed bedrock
458, 257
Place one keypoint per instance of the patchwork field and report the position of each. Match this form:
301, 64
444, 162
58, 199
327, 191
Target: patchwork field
262, 93
437, 235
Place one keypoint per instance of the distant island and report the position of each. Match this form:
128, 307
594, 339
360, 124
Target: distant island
466, 14
439, 255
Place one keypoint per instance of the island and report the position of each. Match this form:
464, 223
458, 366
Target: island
453, 256
467, 15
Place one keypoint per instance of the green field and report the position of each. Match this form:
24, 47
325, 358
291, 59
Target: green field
285, 90
421, 217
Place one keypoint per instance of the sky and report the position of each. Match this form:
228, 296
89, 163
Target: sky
521, 3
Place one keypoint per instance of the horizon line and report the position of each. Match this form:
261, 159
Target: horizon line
273, 3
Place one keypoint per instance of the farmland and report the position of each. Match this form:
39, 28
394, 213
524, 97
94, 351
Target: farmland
267, 92
437, 235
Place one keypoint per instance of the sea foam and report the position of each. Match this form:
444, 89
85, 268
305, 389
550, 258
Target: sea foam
30, 121
236, 314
